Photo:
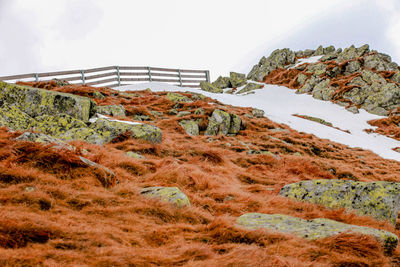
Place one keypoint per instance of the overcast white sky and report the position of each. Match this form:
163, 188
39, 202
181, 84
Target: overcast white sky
219, 35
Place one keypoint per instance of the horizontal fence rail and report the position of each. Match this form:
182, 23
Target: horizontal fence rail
113, 76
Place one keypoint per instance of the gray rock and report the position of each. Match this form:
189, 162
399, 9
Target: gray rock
172, 195
323, 91
317, 69
258, 113
237, 79
301, 78
353, 66
309, 85
235, 126
353, 109
111, 110
250, 87
184, 113
222, 82
208, 87
219, 123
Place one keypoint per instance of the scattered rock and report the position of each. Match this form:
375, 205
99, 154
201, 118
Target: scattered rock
219, 123
379, 200
236, 123
172, 195
313, 229
258, 113
191, 127
134, 155
222, 82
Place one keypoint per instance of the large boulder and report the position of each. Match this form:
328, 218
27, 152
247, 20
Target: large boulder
109, 129
111, 110
38, 102
208, 87
380, 200
172, 195
237, 79
313, 229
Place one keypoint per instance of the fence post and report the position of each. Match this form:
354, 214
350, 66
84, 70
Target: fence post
208, 75
149, 71
118, 76
180, 78
36, 77
83, 77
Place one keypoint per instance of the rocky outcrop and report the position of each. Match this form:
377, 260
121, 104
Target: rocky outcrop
111, 110
237, 79
313, 229
380, 200
208, 87
172, 195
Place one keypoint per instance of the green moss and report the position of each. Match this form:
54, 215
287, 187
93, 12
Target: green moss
379, 200
167, 194
313, 229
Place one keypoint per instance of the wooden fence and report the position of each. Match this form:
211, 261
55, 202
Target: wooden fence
118, 76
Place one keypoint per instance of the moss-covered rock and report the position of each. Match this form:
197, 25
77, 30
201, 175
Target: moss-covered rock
237, 79
108, 130
56, 125
208, 87
38, 102
172, 195
14, 119
313, 229
176, 97
219, 123
380, 200
250, 87
111, 110
191, 127
222, 82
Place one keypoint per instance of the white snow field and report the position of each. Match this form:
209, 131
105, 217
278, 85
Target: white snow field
280, 103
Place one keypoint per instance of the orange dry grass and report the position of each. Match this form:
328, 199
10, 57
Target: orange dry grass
387, 126
71, 219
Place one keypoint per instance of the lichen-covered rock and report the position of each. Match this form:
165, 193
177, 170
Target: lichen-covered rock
56, 125
176, 97
317, 69
108, 130
301, 78
111, 110
319, 51
236, 123
222, 82
237, 79
172, 195
380, 200
379, 62
208, 87
38, 102
134, 155
313, 229
323, 91
183, 113
43, 138
98, 95
250, 87
396, 77
258, 113
85, 134
352, 53
13, 118
191, 127
219, 123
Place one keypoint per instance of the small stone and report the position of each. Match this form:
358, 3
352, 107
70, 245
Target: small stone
258, 113
172, 195
134, 155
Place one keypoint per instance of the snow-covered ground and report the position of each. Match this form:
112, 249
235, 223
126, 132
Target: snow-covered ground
280, 103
